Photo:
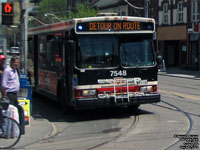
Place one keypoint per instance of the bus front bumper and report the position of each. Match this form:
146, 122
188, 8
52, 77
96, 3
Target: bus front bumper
91, 103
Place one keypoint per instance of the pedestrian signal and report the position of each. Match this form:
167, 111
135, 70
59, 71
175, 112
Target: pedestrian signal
7, 13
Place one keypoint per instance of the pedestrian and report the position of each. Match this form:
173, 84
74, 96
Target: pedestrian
159, 61
10, 81
2, 62
11, 85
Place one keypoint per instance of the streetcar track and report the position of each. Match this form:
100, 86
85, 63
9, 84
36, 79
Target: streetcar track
46, 140
180, 94
123, 133
136, 121
186, 101
189, 93
54, 133
182, 86
197, 115
187, 116
133, 124
51, 135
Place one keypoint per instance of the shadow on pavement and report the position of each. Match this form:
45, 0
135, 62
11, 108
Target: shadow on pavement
43, 108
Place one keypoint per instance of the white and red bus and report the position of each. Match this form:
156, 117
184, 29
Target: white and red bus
95, 62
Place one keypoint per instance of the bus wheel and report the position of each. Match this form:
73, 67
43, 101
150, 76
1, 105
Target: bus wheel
63, 101
61, 97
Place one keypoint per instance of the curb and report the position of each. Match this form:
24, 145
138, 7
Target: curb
180, 76
35, 133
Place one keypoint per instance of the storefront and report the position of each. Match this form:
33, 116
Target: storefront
172, 43
193, 54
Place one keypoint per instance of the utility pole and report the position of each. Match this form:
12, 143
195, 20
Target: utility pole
2, 34
146, 8
24, 38
0, 11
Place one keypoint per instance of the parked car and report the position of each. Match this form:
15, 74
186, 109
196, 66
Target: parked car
14, 50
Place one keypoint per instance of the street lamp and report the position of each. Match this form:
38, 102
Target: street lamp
49, 14
37, 20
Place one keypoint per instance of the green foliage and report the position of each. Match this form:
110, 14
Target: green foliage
53, 6
59, 8
83, 11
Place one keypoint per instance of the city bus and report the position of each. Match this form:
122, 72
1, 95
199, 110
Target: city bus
95, 62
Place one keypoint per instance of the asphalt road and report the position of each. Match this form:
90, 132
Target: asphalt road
153, 127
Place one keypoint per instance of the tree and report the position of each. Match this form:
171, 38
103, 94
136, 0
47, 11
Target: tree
59, 8
83, 11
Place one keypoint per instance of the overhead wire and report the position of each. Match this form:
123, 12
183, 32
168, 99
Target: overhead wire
133, 5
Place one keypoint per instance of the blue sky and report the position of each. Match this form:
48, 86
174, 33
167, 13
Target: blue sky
3, 0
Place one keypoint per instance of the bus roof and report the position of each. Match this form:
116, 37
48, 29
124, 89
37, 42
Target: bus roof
119, 18
68, 25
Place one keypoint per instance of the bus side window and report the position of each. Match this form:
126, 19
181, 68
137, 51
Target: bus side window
55, 53
58, 44
49, 53
42, 52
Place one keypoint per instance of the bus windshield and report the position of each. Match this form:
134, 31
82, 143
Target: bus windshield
97, 51
102, 51
138, 52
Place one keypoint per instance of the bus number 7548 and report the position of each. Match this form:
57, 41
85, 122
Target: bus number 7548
118, 73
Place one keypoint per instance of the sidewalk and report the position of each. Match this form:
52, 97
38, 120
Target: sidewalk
39, 130
177, 72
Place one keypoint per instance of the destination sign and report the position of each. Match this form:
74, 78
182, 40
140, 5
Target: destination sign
100, 26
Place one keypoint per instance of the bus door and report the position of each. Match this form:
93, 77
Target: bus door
35, 60
69, 66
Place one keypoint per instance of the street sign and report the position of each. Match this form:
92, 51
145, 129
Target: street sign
25, 103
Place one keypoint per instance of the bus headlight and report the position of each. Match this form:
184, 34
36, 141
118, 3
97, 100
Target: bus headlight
89, 92
146, 89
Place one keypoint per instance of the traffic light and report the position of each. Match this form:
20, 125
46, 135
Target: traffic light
7, 13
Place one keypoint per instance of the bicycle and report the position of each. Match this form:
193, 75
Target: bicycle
10, 131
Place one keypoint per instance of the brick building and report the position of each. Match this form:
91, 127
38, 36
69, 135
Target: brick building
178, 33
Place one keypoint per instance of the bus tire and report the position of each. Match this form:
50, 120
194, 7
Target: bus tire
62, 100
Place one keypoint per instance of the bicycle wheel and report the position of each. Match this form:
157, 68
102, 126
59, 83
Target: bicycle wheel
10, 133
